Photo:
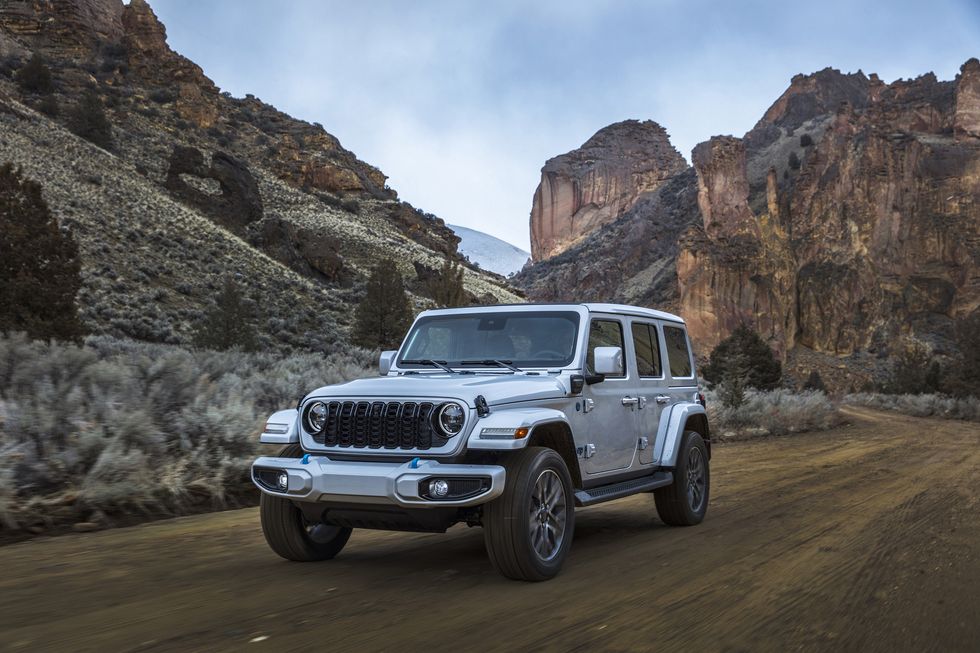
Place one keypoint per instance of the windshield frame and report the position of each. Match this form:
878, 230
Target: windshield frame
569, 313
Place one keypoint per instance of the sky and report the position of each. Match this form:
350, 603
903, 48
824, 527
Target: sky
460, 102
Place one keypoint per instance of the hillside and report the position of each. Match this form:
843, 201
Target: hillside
200, 185
844, 225
490, 253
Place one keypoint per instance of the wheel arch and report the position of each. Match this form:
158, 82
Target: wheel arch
699, 424
557, 436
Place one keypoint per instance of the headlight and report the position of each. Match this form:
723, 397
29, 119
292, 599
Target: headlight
450, 418
316, 416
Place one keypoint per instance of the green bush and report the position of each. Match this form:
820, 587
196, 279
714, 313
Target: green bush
914, 370
963, 375
446, 286
230, 322
745, 354
88, 120
40, 272
35, 76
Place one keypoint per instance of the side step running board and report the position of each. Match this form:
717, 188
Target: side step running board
622, 489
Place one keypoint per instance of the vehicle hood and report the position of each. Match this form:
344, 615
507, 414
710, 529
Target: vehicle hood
495, 388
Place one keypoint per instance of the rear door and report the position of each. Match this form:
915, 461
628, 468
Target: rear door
611, 423
652, 387
682, 384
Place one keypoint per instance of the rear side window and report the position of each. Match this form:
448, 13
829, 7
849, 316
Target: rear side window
647, 350
677, 352
604, 333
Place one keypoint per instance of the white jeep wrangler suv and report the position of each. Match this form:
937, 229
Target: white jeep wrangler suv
506, 417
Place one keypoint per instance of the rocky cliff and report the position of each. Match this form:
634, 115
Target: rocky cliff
589, 187
199, 184
845, 221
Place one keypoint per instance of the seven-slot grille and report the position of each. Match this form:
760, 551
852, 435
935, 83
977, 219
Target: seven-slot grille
379, 425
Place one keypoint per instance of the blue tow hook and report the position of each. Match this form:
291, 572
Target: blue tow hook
415, 463
306, 459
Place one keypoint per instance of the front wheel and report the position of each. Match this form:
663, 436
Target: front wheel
290, 534
528, 529
685, 501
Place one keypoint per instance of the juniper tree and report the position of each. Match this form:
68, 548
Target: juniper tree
40, 272
35, 76
446, 287
88, 120
384, 315
229, 323
762, 370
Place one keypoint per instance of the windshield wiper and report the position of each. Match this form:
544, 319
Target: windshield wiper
431, 363
495, 361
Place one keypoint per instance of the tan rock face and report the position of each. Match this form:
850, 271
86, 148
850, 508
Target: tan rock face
593, 185
68, 26
967, 120
723, 187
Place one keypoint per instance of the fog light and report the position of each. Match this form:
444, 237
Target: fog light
438, 488
283, 481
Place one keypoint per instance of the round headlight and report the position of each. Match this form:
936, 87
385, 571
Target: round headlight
451, 418
316, 416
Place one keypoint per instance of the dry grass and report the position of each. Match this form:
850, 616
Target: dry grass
779, 412
929, 405
115, 431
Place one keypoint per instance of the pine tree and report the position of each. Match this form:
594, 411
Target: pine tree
40, 272
385, 314
446, 288
35, 77
731, 390
88, 120
815, 382
229, 323
763, 370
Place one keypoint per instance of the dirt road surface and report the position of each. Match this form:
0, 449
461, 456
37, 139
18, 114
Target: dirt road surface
862, 538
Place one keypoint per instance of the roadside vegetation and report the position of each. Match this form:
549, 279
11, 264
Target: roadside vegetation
113, 432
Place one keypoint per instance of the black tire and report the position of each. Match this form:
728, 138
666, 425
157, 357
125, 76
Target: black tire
290, 534
507, 520
685, 501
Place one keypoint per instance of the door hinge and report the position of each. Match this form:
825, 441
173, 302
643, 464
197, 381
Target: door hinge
644, 443
588, 451
587, 405
643, 401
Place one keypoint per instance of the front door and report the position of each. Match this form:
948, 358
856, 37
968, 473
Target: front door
611, 417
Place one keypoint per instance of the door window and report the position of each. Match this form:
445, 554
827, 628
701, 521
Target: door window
605, 333
678, 353
647, 348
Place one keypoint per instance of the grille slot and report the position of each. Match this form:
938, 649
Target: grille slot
380, 425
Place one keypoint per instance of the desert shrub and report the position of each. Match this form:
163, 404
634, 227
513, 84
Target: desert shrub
229, 323
88, 120
920, 405
116, 431
806, 140
815, 382
914, 370
162, 96
351, 206
49, 106
40, 272
35, 76
962, 378
778, 412
384, 315
761, 369
446, 286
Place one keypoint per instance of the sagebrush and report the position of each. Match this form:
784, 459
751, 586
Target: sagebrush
112, 431
778, 412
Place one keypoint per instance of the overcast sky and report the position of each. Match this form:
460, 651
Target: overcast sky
461, 102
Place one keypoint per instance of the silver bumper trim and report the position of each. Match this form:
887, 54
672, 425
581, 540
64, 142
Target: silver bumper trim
321, 479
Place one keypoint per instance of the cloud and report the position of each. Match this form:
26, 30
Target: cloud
461, 103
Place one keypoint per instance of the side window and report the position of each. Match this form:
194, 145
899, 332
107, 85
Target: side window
677, 352
647, 350
605, 333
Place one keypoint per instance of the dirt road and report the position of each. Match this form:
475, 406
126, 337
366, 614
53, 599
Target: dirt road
863, 538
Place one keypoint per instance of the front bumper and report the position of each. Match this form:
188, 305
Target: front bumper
320, 479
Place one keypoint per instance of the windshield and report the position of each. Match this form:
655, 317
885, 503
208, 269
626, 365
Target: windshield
523, 338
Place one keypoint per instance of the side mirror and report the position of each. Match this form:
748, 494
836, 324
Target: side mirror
387, 358
609, 361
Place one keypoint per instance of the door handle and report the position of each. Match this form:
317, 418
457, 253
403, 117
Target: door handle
663, 399
630, 401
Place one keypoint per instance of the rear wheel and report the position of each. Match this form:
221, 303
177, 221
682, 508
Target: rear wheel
290, 534
528, 529
685, 501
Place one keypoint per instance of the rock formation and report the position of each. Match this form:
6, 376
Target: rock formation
845, 221
593, 185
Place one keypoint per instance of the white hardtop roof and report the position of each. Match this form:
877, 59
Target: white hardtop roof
618, 309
